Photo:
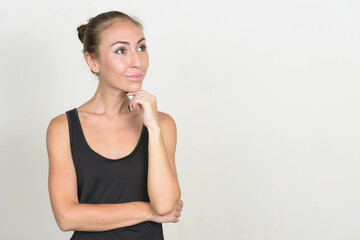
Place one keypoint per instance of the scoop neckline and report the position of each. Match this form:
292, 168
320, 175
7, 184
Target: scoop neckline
98, 154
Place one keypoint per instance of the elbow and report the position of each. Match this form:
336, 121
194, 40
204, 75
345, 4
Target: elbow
64, 222
165, 208
64, 225
64, 228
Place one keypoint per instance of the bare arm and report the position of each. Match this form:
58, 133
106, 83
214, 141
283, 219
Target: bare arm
163, 186
69, 214
103, 217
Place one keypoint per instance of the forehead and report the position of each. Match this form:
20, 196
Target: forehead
121, 30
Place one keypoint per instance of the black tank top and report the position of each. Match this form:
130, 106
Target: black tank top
103, 180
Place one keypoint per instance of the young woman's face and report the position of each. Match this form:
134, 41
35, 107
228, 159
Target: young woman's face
123, 59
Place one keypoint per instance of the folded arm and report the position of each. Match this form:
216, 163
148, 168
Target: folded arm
163, 185
69, 214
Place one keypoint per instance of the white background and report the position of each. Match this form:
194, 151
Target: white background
265, 95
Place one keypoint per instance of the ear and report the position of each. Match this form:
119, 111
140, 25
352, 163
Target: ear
92, 63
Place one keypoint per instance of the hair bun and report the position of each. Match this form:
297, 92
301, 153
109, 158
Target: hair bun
81, 31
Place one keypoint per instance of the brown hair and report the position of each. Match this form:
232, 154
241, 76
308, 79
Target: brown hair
89, 34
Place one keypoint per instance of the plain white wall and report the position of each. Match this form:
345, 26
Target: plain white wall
265, 95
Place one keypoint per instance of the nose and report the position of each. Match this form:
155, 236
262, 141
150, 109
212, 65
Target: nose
135, 60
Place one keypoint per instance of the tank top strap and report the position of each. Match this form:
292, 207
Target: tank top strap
71, 117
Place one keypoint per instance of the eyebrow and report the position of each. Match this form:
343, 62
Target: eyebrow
124, 42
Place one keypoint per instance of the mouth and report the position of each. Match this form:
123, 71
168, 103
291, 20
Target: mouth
135, 77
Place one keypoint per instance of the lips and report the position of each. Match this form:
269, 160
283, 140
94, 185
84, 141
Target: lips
135, 77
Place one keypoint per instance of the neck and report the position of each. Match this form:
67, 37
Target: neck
110, 101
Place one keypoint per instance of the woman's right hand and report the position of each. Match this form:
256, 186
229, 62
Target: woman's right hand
173, 216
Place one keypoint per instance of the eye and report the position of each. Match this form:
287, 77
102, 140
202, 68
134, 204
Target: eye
120, 51
142, 48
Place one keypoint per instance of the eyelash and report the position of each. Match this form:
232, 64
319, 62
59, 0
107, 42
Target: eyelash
144, 47
123, 49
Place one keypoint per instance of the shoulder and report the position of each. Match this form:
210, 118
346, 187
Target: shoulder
58, 122
168, 128
167, 122
57, 128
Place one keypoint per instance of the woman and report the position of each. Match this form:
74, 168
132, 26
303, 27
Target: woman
112, 172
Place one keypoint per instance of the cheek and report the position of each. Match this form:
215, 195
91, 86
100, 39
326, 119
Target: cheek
145, 60
119, 65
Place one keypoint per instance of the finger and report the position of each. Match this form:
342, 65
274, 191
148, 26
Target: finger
139, 97
147, 97
180, 202
131, 103
139, 93
138, 101
178, 208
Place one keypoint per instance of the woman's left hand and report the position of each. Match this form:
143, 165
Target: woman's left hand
148, 105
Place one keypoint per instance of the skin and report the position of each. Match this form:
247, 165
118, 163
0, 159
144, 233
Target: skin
107, 124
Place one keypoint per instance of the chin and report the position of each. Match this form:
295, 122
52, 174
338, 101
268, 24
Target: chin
135, 88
